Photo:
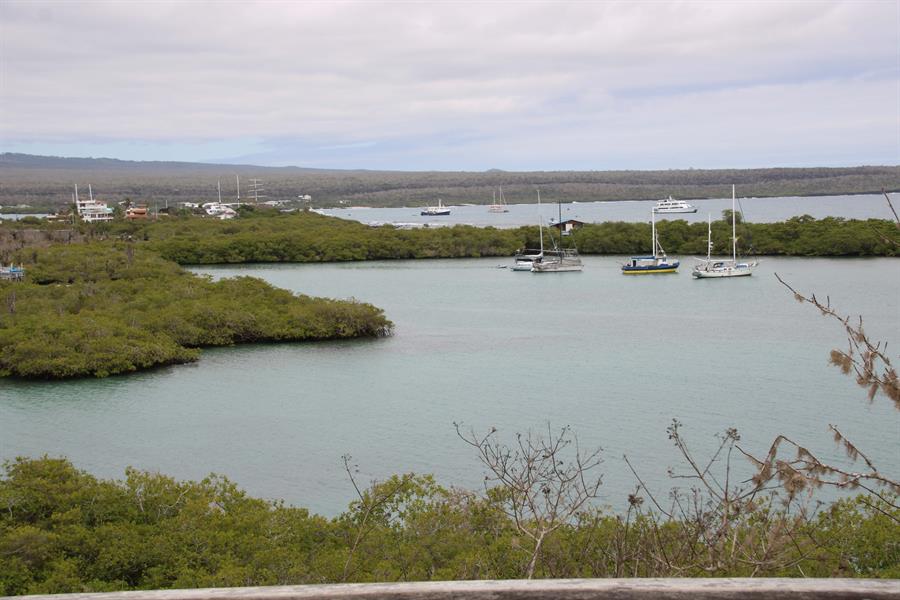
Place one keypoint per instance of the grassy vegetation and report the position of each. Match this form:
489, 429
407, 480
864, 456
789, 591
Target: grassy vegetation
105, 308
46, 182
63, 530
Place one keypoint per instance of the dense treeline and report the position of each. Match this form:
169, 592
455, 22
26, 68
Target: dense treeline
269, 236
106, 308
63, 530
798, 236
308, 237
47, 181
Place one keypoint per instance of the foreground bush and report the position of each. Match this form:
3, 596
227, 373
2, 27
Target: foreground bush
63, 530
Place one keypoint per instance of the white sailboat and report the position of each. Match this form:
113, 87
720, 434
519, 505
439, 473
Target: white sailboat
558, 260
712, 268
498, 207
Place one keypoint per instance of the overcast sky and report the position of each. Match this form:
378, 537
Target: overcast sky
455, 85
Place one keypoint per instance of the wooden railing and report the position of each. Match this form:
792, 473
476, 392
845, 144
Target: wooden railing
563, 589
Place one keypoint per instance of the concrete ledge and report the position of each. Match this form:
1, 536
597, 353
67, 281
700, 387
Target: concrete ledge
566, 589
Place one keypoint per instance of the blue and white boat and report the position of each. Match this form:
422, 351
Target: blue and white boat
658, 262
436, 211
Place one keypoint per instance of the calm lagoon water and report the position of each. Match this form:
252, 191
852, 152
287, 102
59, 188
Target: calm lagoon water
757, 210
615, 357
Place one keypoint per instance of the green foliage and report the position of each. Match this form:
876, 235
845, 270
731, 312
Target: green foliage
798, 236
63, 530
309, 237
106, 308
269, 236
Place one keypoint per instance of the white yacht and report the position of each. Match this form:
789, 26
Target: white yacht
711, 268
670, 205
436, 211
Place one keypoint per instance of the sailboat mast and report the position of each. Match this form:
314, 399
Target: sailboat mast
708, 237
238, 179
733, 228
653, 230
540, 223
219, 187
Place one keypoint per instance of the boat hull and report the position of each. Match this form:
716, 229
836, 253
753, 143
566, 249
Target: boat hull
560, 269
566, 265
629, 270
721, 274
435, 213
667, 211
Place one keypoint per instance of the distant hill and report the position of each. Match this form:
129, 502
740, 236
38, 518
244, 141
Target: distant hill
47, 181
12, 160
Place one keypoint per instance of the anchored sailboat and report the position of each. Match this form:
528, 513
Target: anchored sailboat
498, 207
657, 263
558, 260
717, 267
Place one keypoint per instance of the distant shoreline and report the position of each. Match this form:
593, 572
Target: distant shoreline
45, 183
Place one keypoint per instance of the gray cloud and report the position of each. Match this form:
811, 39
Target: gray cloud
458, 85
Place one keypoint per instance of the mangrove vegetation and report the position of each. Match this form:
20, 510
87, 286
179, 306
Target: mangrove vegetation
105, 308
64, 530
309, 237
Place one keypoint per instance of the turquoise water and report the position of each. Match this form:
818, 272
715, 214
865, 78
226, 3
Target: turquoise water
615, 357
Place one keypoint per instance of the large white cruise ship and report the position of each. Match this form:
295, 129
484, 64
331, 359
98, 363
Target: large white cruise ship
669, 205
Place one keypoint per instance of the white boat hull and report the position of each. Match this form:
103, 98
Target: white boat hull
667, 211
566, 266
718, 274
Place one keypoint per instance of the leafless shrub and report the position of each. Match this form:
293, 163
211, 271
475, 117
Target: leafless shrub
868, 361
717, 525
544, 480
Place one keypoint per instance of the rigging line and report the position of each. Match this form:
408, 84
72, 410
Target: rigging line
750, 248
